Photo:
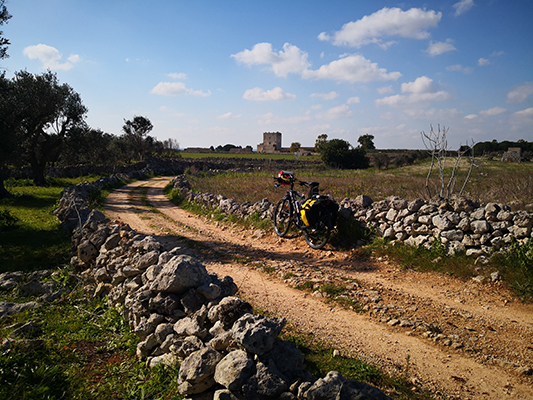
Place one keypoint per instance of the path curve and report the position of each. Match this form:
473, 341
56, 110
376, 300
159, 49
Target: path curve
493, 332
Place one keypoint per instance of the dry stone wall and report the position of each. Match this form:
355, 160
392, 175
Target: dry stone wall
183, 314
462, 225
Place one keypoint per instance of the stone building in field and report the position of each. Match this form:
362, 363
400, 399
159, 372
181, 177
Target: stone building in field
513, 154
271, 143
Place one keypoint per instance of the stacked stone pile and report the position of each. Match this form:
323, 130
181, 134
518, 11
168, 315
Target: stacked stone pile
183, 314
462, 225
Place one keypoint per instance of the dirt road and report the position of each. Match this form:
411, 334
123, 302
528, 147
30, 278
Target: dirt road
463, 340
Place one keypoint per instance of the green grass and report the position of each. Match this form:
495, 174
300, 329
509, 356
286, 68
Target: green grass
83, 350
515, 265
30, 235
319, 361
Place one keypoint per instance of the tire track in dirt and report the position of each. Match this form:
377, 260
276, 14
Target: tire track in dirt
496, 332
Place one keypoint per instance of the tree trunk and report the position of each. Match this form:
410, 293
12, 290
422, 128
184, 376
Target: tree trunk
38, 173
4, 194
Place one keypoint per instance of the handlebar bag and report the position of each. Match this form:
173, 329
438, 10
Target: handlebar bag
285, 177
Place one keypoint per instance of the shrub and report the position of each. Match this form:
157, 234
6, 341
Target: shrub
337, 153
7, 219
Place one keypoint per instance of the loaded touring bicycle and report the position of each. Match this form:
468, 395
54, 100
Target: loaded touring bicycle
315, 215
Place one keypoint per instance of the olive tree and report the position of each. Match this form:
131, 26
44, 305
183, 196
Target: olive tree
136, 134
46, 113
338, 153
4, 18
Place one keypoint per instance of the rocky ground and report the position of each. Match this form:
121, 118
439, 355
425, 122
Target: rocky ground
464, 340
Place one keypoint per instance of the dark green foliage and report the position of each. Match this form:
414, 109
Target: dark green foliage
7, 219
4, 18
227, 147
516, 266
39, 113
348, 232
494, 146
320, 141
367, 142
136, 137
338, 153
30, 371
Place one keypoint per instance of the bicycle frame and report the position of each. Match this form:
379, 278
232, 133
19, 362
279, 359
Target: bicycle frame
295, 198
287, 212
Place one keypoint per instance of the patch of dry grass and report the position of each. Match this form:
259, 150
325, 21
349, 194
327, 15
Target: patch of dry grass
491, 181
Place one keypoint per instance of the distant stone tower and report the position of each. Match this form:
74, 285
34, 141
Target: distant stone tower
271, 143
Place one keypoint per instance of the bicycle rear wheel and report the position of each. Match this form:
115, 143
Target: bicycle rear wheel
317, 236
283, 216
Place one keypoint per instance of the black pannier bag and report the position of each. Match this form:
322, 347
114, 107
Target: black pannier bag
319, 208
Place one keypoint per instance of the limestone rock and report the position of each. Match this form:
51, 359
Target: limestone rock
234, 370
334, 386
257, 333
196, 373
180, 274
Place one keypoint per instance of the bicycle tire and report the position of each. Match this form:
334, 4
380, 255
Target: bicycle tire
283, 217
317, 236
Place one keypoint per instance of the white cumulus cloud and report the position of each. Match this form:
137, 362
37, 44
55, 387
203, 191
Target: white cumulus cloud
353, 100
289, 60
352, 68
493, 111
387, 22
459, 68
483, 61
528, 112
422, 84
177, 88
177, 75
385, 89
50, 57
463, 6
438, 48
398, 100
276, 94
325, 96
342, 111
520, 93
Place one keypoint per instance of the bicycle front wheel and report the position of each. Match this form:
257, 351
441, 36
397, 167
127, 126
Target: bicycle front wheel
283, 217
317, 236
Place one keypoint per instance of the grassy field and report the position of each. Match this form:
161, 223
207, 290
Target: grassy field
30, 235
491, 181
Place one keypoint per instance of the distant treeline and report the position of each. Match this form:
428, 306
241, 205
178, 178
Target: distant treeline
500, 147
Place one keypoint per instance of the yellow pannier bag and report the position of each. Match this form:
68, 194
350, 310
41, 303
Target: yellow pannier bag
305, 208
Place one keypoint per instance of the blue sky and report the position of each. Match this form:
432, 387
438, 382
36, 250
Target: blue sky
216, 72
